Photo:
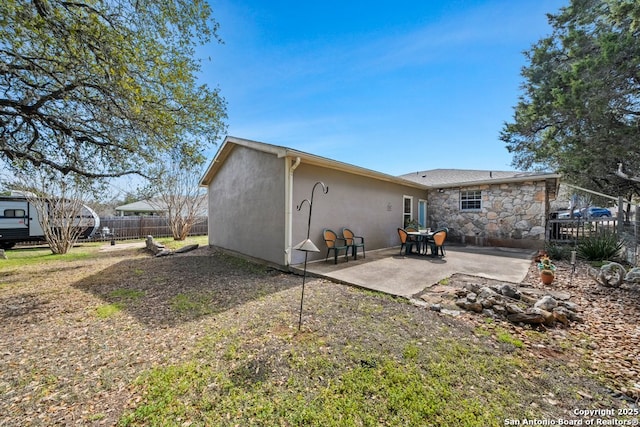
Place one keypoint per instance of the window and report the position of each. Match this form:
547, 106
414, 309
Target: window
407, 210
14, 213
470, 200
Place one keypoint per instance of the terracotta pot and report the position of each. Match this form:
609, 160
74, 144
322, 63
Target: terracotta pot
547, 277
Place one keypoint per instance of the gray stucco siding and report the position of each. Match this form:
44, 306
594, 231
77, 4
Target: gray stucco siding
246, 205
370, 207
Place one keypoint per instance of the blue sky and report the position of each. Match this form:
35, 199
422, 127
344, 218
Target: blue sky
395, 87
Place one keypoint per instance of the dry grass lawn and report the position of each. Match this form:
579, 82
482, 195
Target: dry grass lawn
103, 337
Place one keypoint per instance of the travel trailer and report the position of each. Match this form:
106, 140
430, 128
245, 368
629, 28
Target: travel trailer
20, 222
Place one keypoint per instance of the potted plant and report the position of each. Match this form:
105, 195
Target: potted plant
547, 270
413, 223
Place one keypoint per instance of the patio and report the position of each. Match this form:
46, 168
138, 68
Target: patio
385, 270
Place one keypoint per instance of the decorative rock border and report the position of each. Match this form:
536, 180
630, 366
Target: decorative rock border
518, 305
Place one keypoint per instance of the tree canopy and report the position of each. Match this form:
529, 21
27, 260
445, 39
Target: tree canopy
579, 113
103, 88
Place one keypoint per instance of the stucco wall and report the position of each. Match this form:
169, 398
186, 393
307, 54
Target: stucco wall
512, 215
371, 208
246, 205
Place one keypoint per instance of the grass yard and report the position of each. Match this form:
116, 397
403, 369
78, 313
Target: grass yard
118, 337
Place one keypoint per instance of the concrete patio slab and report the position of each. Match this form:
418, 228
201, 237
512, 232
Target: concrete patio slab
385, 270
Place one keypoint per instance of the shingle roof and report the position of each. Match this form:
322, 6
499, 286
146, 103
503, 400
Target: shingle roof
449, 177
281, 151
143, 206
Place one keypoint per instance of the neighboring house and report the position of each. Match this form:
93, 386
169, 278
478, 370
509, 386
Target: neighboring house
254, 189
142, 208
155, 207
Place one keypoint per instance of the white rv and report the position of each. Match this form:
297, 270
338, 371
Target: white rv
19, 222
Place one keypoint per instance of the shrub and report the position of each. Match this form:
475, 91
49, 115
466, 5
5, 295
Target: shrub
600, 247
558, 252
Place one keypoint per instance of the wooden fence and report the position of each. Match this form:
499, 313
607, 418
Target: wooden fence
573, 230
134, 227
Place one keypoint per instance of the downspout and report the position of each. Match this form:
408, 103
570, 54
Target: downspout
288, 227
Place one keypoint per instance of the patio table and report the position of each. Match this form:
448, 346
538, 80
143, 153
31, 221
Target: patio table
423, 238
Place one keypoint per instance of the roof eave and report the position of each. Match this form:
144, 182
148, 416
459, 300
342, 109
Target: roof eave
281, 152
314, 160
541, 177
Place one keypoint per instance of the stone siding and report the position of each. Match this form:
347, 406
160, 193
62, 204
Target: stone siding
512, 214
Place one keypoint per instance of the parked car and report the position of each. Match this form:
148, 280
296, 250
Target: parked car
591, 212
564, 214
594, 212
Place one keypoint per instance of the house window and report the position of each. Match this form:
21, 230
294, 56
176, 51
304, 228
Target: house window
14, 213
407, 210
470, 200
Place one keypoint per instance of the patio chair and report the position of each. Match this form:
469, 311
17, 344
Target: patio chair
436, 241
335, 244
352, 241
405, 241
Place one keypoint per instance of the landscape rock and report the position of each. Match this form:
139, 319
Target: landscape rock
153, 246
569, 305
475, 306
513, 309
164, 252
510, 292
3, 255
159, 250
488, 302
549, 320
454, 313
472, 287
547, 303
561, 315
531, 318
486, 292
633, 276
488, 312
609, 275
532, 306
499, 310
460, 293
469, 305
187, 248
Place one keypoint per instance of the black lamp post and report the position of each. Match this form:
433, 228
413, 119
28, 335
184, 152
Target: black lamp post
307, 245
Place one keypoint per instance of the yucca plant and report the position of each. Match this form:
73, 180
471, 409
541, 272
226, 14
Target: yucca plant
604, 245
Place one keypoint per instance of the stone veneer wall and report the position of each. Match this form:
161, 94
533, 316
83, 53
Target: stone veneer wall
512, 215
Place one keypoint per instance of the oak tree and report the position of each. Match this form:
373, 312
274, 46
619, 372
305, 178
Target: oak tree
102, 88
